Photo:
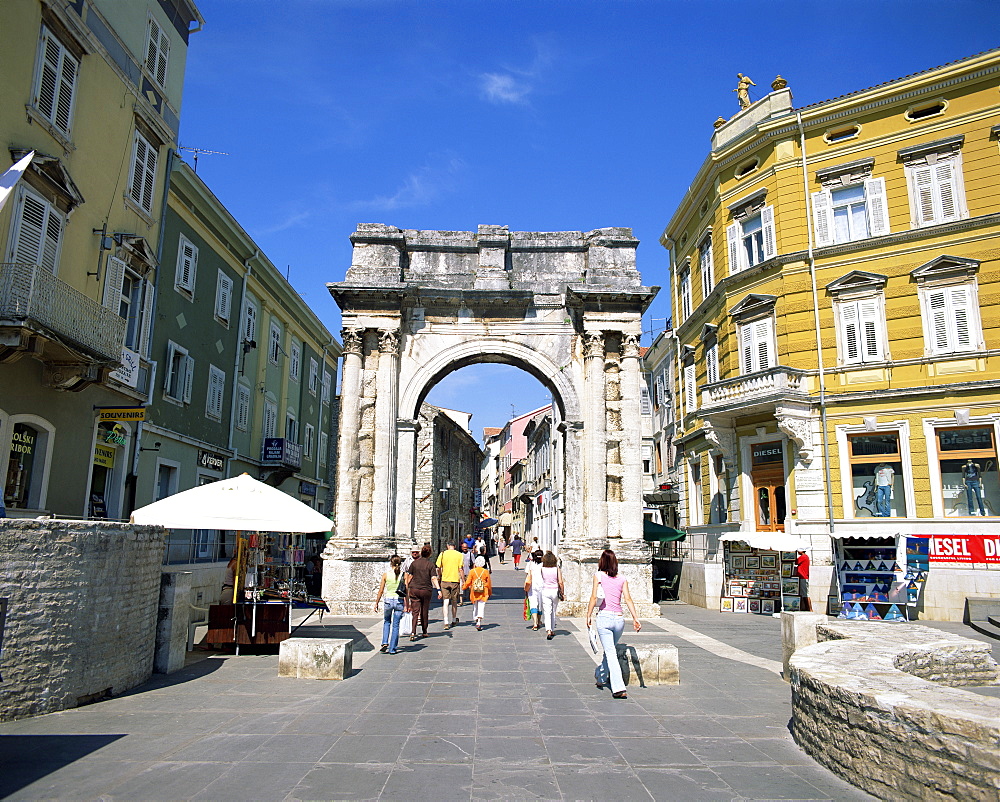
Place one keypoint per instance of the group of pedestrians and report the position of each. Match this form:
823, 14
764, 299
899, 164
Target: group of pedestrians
407, 587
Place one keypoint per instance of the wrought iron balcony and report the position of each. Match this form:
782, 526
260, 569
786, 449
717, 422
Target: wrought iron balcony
762, 389
43, 314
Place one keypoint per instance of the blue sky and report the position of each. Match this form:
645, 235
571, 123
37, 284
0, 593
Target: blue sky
539, 115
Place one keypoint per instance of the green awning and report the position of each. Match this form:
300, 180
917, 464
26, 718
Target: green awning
657, 533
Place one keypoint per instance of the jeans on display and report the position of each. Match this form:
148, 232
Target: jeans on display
392, 612
974, 486
609, 631
550, 601
882, 494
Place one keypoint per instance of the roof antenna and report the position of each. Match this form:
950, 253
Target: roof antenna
196, 151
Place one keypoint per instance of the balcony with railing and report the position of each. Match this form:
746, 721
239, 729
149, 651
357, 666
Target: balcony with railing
55, 321
762, 389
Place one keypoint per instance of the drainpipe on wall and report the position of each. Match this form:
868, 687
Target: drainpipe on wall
816, 323
236, 364
132, 478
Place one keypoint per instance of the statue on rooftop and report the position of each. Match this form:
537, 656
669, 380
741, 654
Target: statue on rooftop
742, 90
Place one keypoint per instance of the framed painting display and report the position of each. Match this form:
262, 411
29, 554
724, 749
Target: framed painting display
737, 563
740, 605
726, 606
790, 587
753, 562
738, 547
788, 556
786, 570
790, 603
767, 606
753, 606
737, 589
768, 561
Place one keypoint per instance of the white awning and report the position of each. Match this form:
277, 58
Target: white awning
863, 534
768, 541
506, 519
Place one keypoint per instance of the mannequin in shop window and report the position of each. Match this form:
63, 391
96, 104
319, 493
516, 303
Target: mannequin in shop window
972, 476
883, 489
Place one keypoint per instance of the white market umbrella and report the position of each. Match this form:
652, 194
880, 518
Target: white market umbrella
242, 504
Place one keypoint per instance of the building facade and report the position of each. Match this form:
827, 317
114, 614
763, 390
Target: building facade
245, 376
93, 88
448, 463
833, 269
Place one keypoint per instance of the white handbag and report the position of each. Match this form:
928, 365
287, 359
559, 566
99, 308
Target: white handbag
406, 624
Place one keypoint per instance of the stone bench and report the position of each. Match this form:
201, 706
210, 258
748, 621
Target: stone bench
315, 658
653, 664
878, 704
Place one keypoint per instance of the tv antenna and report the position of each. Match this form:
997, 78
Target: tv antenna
197, 151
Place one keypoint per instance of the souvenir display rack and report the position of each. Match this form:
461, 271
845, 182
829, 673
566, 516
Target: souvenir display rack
270, 578
758, 580
870, 581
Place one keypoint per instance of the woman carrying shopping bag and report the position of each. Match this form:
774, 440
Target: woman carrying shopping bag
611, 621
480, 588
392, 581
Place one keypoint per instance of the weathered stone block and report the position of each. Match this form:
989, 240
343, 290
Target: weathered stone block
649, 665
315, 658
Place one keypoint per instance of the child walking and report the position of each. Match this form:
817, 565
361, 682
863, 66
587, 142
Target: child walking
480, 588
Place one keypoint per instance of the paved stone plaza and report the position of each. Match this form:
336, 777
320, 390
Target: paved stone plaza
501, 714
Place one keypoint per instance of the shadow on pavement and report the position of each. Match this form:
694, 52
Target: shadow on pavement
25, 759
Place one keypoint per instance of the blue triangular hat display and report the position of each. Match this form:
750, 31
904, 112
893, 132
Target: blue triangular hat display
871, 613
857, 613
894, 614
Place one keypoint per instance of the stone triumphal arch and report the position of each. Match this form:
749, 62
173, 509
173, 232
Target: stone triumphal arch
417, 305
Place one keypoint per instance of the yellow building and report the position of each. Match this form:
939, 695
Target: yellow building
835, 275
93, 88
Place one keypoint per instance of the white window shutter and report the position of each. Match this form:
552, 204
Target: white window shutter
823, 217
733, 232
168, 374
869, 315
746, 348
645, 407
712, 363
30, 231
690, 388
938, 305
114, 275
959, 302
875, 202
767, 226
223, 296
188, 378
923, 187
944, 174
849, 331
146, 329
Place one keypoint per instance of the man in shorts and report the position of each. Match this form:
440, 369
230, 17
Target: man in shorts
450, 576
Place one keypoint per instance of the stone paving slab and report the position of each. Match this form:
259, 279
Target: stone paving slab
498, 714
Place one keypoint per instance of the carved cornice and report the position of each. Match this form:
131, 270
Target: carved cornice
798, 427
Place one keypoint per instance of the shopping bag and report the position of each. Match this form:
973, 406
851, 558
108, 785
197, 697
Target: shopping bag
595, 642
527, 609
406, 624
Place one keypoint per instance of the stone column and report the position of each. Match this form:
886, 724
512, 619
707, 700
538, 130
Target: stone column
595, 523
366, 438
347, 457
406, 458
631, 447
384, 463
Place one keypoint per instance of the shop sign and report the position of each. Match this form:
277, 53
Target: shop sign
128, 372
22, 442
765, 453
307, 488
964, 549
961, 439
211, 461
104, 456
278, 449
133, 414
477, 497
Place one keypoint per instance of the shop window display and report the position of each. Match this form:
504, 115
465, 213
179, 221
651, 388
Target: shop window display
22, 485
876, 475
970, 484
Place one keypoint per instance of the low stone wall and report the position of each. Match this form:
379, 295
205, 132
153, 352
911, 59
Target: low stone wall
871, 702
83, 610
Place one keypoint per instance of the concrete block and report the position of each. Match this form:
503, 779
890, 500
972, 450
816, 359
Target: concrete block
315, 658
172, 622
797, 630
649, 665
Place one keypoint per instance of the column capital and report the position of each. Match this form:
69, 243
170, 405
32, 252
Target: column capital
593, 344
630, 346
353, 338
388, 341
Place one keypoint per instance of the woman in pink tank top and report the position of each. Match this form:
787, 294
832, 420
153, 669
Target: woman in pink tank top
610, 621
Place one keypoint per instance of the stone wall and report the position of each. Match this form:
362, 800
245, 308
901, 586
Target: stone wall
82, 617
870, 701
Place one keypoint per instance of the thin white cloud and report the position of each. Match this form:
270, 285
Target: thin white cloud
290, 220
421, 187
503, 88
